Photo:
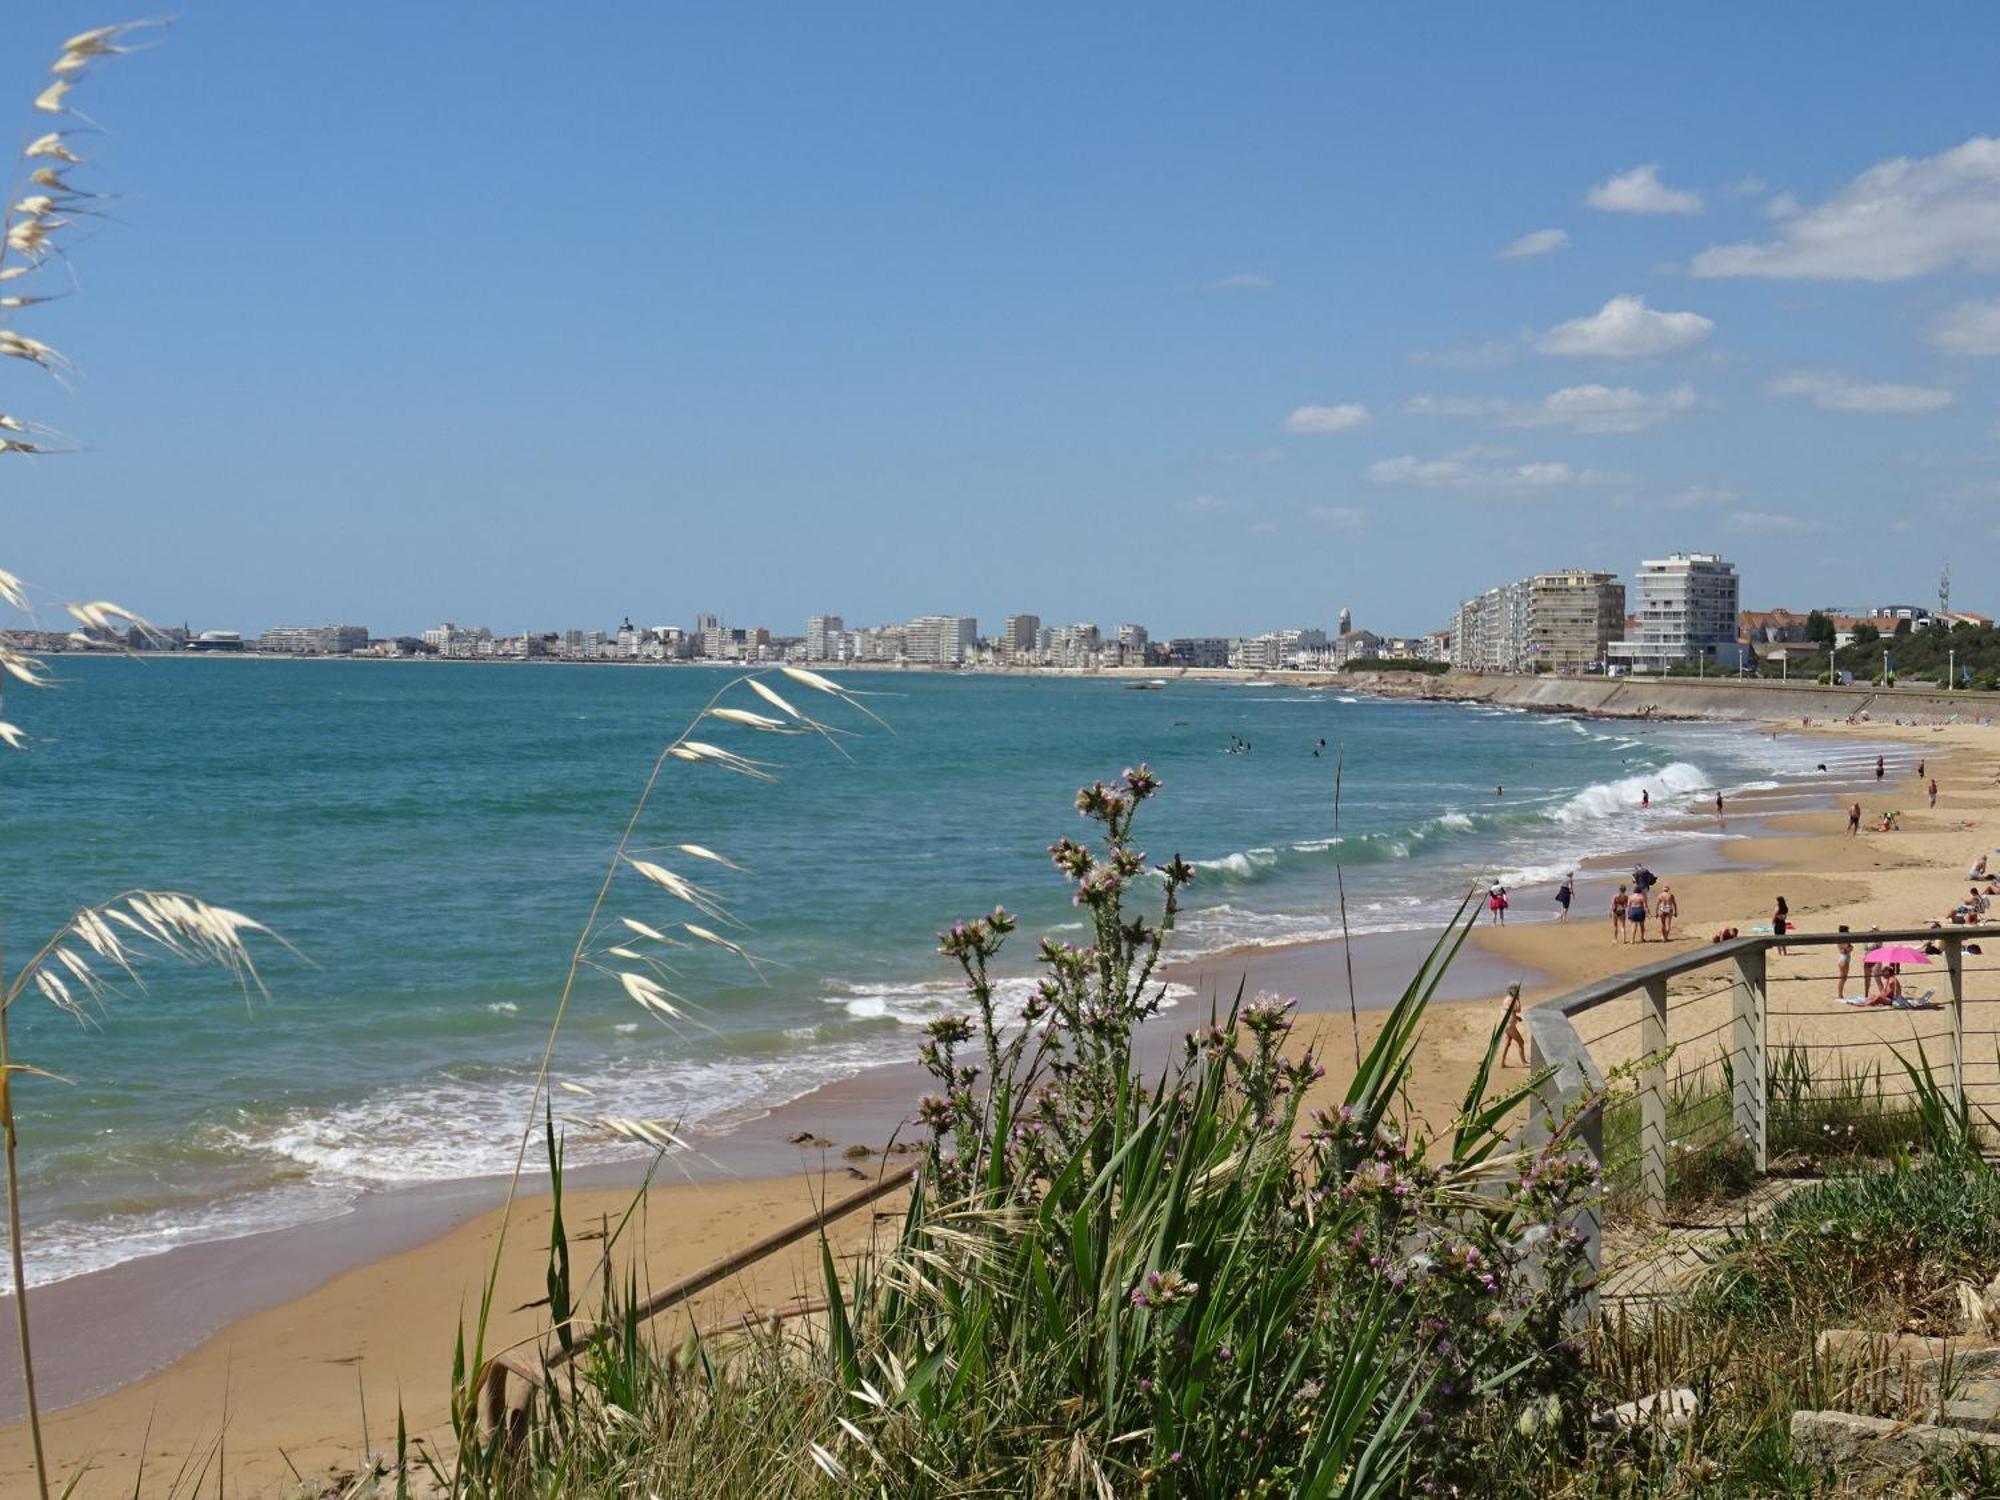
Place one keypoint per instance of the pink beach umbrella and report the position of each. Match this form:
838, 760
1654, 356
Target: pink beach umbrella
1895, 955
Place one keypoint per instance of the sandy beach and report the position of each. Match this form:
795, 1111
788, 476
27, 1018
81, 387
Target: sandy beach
285, 1344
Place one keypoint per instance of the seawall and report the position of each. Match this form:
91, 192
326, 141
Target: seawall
1679, 698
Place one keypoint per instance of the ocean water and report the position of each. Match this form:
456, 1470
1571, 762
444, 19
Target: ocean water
430, 836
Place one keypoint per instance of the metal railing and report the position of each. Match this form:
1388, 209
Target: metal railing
1698, 1049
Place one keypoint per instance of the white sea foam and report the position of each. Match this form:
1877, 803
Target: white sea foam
1610, 798
120, 1237
1243, 864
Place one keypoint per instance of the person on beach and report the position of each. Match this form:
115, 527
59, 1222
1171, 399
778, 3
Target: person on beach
1496, 903
1618, 904
1635, 916
1645, 799
1854, 819
1718, 807
1514, 1040
1565, 893
1889, 986
1879, 771
1666, 909
1932, 789
1781, 923
1844, 951
1978, 870
1920, 770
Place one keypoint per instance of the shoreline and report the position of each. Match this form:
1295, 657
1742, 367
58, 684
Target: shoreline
92, 1341
125, 1340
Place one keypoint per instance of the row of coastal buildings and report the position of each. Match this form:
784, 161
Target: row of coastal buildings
1024, 641
1678, 611
1681, 610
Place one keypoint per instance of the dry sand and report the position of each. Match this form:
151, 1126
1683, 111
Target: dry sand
289, 1382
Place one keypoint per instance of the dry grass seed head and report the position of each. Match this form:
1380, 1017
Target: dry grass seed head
763, 723
701, 851
52, 147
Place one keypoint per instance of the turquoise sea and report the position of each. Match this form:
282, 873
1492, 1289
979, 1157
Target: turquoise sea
430, 835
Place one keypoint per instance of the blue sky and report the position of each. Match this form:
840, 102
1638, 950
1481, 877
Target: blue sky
536, 316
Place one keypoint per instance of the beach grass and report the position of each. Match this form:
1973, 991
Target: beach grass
1108, 1283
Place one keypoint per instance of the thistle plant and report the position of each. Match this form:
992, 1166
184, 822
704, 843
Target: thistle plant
1198, 1284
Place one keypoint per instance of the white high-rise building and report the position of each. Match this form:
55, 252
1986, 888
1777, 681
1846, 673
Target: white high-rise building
1686, 606
941, 640
823, 633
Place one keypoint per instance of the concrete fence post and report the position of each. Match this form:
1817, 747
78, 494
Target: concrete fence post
1653, 1098
1747, 1061
1954, 962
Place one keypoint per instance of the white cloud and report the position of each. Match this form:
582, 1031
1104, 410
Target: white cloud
1766, 522
1242, 281
1461, 471
1969, 328
1748, 187
1203, 505
1783, 206
1256, 458
1838, 393
1688, 497
1475, 357
1640, 191
1625, 328
1581, 408
1901, 218
1315, 419
1537, 242
1340, 517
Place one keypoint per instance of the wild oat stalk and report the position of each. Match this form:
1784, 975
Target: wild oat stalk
633, 950
99, 949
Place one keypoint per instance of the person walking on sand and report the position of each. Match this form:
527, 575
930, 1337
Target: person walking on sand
1781, 923
1618, 904
1844, 951
1635, 916
1854, 819
1879, 771
1920, 770
1666, 909
1496, 903
1932, 789
1718, 807
1565, 893
1514, 1039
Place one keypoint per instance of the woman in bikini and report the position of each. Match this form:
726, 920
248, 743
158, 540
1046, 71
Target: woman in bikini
1666, 909
1844, 950
1514, 1039
1618, 905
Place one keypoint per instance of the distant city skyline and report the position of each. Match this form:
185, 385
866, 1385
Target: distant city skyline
785, 310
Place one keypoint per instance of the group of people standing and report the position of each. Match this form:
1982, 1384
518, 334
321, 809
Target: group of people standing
1633, 905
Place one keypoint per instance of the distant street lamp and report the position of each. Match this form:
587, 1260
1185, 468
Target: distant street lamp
1951, 671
